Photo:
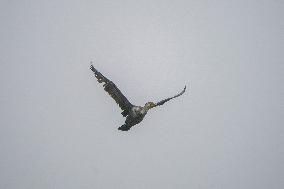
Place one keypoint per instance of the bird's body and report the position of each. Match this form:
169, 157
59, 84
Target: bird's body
134, 114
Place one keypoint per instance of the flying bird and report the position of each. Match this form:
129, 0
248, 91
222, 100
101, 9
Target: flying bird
134, 114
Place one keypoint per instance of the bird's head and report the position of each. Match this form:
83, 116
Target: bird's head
150, 105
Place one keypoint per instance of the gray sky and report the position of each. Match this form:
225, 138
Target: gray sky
59, 128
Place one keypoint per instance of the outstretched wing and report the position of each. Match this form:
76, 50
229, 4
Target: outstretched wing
112, 90
167, 99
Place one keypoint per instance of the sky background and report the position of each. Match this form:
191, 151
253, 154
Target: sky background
58, 128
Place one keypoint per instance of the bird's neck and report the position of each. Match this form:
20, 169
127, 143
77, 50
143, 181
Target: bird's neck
146, 108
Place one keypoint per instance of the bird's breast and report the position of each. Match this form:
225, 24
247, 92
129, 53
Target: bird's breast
138, 111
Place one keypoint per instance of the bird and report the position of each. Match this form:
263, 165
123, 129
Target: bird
134, 114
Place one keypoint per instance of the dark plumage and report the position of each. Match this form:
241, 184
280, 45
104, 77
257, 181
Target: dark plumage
134, 114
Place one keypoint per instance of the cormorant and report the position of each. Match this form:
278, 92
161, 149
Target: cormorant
134, 114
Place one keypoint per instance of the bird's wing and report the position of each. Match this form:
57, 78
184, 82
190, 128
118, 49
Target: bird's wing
112, 90
167, 99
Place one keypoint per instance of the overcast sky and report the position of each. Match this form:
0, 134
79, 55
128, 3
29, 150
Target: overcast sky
58, 127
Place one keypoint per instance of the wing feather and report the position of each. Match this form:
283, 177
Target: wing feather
112, 90
167, 99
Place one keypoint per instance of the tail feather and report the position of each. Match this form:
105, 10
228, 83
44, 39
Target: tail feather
124, 127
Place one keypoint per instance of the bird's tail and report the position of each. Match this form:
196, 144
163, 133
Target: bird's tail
124, 127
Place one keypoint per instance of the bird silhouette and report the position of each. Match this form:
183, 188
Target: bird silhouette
134, 114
